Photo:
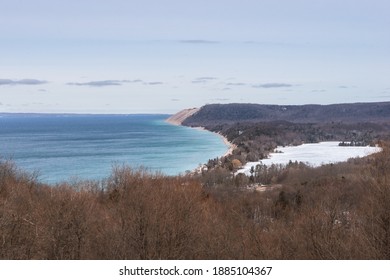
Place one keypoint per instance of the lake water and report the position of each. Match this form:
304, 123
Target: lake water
61, 147
313, 154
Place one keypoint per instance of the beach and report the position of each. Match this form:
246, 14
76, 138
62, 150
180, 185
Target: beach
230, 145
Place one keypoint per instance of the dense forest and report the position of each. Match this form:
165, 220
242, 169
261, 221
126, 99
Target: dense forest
336, 211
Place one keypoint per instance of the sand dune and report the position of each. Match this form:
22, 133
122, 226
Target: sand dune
179, 117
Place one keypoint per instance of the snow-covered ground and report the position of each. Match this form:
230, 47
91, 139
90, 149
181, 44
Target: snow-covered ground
315, 154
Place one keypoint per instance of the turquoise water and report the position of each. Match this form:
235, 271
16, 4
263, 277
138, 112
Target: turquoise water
63, 147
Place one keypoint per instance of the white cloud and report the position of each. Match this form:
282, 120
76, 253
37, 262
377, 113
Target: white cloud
103, 83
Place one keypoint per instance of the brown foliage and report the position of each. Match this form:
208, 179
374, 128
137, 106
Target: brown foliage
333, 212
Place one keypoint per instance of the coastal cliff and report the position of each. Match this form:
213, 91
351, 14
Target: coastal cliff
178, 118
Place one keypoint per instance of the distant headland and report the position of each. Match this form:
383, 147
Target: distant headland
212, 114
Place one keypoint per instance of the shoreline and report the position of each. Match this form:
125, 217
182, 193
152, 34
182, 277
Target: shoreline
230, 146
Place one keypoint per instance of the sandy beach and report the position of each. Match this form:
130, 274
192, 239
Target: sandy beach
230, 145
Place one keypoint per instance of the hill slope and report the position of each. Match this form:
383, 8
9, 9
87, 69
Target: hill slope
228, 113
179, 117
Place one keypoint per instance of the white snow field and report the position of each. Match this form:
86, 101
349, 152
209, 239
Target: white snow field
314, 154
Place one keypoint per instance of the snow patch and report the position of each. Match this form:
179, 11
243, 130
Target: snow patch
314, 154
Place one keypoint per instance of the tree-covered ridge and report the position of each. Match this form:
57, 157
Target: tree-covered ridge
226, 113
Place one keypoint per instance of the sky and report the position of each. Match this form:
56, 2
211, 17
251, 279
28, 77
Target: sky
144, 56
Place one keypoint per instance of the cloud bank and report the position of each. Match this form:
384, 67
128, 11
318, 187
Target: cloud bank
104, 83
21, 82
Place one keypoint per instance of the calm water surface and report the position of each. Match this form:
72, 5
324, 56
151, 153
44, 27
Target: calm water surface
62, 147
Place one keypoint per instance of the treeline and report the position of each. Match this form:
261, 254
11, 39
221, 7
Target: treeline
332, 212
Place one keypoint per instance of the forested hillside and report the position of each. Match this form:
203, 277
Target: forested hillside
256, 129
332, 212
227, 113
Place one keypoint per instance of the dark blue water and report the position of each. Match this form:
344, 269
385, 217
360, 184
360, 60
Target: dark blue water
63, 147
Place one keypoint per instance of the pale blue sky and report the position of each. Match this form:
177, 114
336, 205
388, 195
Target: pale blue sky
148, 56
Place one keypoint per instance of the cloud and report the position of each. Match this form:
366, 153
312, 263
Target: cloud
343, 87
153, 83
236, 84
21, 82
202, 80
104, 83
272, 85
318, 90
198, 42
207, 78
